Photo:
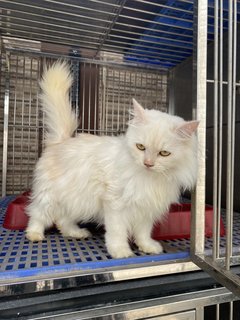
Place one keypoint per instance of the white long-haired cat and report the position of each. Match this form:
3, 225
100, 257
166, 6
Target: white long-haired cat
124, 182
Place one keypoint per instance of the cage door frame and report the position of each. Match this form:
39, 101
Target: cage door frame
218, 267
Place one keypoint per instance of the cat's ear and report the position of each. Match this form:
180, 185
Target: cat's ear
186, 129
138, 112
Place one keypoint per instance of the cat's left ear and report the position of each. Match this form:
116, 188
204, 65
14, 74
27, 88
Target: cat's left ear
186, 129
138, 112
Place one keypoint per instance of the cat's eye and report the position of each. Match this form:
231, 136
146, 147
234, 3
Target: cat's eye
140, 146
164, 153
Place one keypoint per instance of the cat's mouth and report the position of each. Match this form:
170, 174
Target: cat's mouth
149, 168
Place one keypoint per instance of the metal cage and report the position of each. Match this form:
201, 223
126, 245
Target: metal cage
178, 56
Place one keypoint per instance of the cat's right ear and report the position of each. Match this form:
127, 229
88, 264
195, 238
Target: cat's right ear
138, 112
187, 129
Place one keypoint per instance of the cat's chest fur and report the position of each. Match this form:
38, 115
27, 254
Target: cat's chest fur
137, 188
148, 192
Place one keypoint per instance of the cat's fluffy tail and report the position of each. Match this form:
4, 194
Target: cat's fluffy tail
60, 119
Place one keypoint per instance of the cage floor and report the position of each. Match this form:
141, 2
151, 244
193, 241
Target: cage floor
22, 258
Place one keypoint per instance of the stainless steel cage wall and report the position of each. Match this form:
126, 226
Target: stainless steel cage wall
101, 96
179, 56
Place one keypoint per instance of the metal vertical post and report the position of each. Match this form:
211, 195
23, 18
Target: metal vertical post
124, 101
217, 311
89, 96
16, 80
231, 310
229, 195
103, 119
83, 95
113, 101
29, 122
199, 104
215, 135
75, 65
200, 313
5, 126
170, 95
96, 84
118, 102
106, 98
23, 109
220, 123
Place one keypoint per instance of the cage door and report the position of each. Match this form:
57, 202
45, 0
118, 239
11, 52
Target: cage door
216, 101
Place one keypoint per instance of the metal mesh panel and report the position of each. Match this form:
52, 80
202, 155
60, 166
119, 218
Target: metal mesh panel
101, 95
23, 121
119, 86
151, 31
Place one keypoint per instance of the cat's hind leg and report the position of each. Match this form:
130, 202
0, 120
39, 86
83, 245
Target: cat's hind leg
41, 211
38, 223
69, 228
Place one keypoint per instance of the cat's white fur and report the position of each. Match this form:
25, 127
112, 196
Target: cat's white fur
104, 179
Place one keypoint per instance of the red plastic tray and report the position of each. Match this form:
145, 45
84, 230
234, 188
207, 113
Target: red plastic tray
177, 224
16, 218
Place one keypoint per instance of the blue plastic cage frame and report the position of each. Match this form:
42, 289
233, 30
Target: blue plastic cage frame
168, 20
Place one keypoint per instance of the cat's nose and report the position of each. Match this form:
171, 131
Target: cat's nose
148, 163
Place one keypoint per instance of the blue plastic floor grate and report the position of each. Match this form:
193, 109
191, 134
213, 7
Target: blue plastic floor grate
21, 258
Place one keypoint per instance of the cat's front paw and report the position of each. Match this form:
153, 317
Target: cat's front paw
120, 252
151, 246
34, 236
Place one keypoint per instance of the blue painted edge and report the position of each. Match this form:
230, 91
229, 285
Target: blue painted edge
92, 265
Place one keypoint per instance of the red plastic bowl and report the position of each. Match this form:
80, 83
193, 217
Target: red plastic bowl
16, 218
177, 224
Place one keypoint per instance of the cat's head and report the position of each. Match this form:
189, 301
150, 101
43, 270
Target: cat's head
161, 143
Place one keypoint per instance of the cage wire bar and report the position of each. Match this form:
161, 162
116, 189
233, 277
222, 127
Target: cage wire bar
219, 265
5, 125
